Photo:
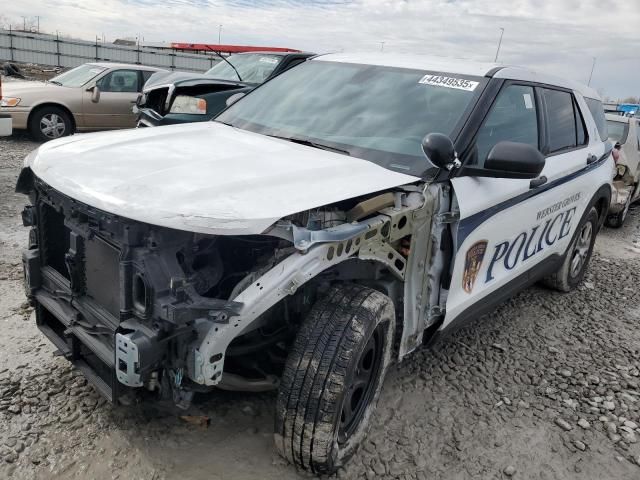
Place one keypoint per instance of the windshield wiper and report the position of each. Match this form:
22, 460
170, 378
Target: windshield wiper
55, 82
310, 143
224, 59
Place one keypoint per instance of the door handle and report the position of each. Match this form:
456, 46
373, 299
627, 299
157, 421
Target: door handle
591, 158
537, 182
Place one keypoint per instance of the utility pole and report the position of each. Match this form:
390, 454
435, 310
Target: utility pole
499, 44
382, 46
38, 18
593, 66
219, 33
24, 24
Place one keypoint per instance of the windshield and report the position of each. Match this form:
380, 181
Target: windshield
371, 112
253, 68
78, 76
617, 131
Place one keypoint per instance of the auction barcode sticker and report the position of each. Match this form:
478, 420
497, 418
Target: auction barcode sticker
449, 82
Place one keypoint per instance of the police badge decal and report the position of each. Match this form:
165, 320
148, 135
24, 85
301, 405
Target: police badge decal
472, 264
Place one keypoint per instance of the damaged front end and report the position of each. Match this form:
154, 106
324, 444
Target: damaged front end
142, 308
125, 301
623, 189
185, 101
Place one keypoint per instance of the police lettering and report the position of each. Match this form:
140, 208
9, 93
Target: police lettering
530, 242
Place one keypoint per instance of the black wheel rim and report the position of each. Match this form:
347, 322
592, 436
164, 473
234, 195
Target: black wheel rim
362, 387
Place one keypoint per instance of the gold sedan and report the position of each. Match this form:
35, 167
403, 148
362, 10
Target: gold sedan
93, 96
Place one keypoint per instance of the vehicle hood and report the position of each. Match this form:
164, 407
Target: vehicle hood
180, 79
203, 177
18, 88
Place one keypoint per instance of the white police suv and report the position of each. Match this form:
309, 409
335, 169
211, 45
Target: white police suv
352, 201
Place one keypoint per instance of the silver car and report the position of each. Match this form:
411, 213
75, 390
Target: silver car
93, 96
624, 132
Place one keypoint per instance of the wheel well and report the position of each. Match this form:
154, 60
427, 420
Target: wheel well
602, 207
56, 105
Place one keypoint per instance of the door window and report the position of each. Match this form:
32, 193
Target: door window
121, 81
513, 117
564, 121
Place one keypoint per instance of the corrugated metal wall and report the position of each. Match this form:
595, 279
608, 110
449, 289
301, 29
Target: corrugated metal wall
61, 52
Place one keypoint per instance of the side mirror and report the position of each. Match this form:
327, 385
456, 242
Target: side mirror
95, 93
234, 98
439, 150
514, 160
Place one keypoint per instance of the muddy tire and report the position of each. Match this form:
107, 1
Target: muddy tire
49, 122
617, 219
576, 261
333, 377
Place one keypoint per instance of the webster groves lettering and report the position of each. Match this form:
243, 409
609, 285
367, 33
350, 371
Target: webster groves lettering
558, 206
531, 242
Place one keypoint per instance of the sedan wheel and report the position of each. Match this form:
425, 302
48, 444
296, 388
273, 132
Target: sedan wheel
50, 122
52, 126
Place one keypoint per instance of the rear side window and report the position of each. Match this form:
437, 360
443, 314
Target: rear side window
597, 112
561, 121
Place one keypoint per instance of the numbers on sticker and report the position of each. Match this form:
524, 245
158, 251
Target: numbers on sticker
449, 82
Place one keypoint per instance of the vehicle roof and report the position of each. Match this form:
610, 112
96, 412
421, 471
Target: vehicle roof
123, 65
459, 66
278, 54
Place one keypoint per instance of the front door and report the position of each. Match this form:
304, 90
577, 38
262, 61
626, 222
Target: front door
118, 93
508, 227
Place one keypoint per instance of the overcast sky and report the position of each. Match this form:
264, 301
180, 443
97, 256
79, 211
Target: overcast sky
561, 36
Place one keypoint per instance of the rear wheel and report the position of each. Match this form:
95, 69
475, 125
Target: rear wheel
49, 123
578, 255
333, 377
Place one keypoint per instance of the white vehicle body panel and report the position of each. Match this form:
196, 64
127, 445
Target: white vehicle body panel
204, 177
521, 226
529, 217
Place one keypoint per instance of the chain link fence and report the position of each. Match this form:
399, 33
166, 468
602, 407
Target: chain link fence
52, 50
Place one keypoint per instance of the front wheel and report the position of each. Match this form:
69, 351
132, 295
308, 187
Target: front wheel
49, 123
574, 266
333, 377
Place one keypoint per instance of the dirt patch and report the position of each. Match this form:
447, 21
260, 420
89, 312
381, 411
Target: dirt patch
546, 386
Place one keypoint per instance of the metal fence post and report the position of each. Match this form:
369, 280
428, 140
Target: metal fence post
11, 42
58, 48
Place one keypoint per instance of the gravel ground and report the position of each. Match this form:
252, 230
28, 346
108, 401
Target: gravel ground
546, 386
